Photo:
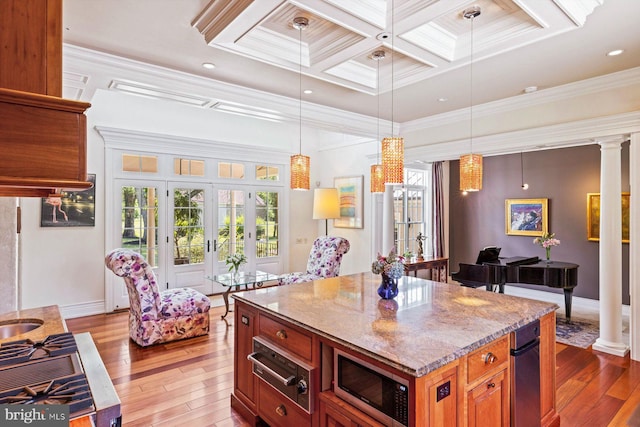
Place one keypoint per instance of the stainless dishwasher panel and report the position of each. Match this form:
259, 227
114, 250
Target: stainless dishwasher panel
525, 376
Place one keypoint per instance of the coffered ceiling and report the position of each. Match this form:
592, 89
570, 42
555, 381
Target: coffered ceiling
514, 44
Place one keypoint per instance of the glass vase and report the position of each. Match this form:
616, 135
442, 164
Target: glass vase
388, 289
548, 250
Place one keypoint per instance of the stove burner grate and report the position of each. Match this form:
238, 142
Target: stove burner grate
72, 390
25, 350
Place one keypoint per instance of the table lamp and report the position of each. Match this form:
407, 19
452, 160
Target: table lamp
326, 205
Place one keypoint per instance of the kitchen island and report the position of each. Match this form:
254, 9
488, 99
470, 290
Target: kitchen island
450, 344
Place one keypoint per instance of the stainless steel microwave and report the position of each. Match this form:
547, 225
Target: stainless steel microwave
375, 391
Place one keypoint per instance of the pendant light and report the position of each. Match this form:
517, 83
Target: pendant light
393, 147
377, 173
471, 164
300, 164
525, 186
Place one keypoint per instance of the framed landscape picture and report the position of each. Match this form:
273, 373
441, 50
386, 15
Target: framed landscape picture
73, 209
593, 217
351, 201
526, 217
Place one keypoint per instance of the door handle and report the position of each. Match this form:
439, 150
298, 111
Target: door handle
208, 245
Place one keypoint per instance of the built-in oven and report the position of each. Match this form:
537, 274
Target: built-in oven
283, 371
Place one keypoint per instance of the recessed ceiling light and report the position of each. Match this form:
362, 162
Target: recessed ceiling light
530, 89
443, 99
208, 65
307, 91
615, 52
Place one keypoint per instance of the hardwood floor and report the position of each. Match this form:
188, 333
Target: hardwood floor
189, 382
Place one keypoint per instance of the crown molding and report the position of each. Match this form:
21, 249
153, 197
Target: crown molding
125, 139
583, 132
528, 100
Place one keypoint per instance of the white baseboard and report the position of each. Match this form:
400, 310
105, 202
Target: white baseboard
72, 311
576, 303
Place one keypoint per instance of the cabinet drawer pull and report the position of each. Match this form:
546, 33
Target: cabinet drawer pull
281, 410
489, 358
282, 334
491, 385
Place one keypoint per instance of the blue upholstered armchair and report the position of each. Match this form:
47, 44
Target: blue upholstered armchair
324, 260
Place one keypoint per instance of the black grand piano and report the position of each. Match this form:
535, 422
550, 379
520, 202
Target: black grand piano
490, 271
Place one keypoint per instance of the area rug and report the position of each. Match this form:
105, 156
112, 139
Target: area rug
579, 332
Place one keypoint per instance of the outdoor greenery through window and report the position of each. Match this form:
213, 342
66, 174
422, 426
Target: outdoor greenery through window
140, 222
188, 229
409, 210
269, 173
231, 212
267, 215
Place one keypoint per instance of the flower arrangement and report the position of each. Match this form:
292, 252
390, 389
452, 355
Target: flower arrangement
547, 241
391, 265
235, 261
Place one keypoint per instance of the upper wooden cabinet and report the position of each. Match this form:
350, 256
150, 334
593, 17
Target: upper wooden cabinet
43, 137
31, 55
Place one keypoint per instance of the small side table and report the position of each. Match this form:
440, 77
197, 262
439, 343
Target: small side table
439, 268
231, 281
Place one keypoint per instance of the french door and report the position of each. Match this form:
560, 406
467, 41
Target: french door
186, 230
191, 247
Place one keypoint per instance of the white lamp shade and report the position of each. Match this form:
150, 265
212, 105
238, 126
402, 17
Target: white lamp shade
326, 204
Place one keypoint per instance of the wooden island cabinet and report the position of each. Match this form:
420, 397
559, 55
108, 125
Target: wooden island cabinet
449, 344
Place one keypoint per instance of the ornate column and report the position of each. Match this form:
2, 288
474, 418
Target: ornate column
634, 247
610, 279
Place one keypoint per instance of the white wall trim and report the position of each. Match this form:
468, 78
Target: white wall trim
607, 82
582, 132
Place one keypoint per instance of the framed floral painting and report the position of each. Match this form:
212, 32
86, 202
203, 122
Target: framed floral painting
351, 201
526, 217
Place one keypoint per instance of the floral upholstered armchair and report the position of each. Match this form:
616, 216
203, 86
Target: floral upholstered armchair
324, 261
158, 316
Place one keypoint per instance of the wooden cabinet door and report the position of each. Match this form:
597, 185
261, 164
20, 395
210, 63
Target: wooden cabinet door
245, 330
31, 34
335, 412
488, 402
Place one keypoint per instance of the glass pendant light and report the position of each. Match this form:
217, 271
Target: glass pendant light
377, 173
300, 164
471, 164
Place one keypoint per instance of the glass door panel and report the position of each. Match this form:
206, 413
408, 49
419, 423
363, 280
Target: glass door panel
190, 244
267, 222
231, 218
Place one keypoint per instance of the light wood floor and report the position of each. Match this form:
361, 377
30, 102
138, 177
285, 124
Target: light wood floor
189, 382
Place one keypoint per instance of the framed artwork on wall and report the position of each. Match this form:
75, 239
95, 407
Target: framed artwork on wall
593, 217
72, 209
526, 217
351, 201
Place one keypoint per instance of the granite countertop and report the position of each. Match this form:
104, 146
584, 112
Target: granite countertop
428, 324
50, 315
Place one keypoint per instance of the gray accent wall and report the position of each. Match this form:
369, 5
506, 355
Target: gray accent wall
564, 177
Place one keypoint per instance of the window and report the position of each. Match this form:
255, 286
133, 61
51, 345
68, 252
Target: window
410, 207
188, 228
140, 222
269, 173
267, 215
230, 170
188, 167
138, 163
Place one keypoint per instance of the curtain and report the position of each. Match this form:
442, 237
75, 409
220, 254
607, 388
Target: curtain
437, 213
